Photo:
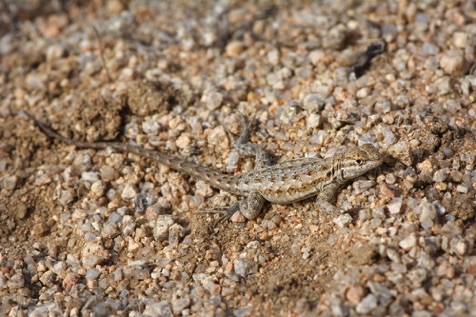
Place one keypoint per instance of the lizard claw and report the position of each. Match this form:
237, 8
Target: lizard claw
226, 213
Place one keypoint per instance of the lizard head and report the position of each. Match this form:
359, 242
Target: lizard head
358, 161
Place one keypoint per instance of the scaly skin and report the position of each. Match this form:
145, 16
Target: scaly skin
282, 183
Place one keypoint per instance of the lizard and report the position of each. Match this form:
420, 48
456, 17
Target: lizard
283, 183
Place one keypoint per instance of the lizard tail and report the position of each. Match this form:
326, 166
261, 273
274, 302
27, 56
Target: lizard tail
212, 176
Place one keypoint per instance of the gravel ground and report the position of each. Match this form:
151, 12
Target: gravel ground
99, 233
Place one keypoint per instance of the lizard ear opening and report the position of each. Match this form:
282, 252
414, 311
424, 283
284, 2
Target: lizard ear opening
359, 161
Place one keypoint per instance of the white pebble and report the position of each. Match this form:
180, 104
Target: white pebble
183, 141
10, 182
460, 39
395, 205
234, 48
367, 304
65, 197
454, 62
343, 220
129, 192
408, 242
314, 121
462, 189
150, 127
313, 103
244, 267
161, 229
273, 57
90, 176
316, 56
237, 217
98, 188
427, 215
441, 175
390, 178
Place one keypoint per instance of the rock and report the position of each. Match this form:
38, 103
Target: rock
66, 197
454, 63
161, 309
408, 242
367, 304
402, 152
395, 205
10, 182
98, 188
273, 57
313, 103
161, 229
237, 217
180, 304
234, 48
314, 121
355, 293
244, 267
176, 232
343, 220
427, 215
316, 56
183, 141
129, 191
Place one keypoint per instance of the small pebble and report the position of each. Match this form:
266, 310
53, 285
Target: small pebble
454, 63
390, 179
273, 57
367, 304
41, 229
395, 205
363, 185
408, 242
183, 141
343, 220
441, 86
234, 48
316, 56
22, 211
10, 182
427, 215
90, 176
237, 217
129, 192
179, 304
158, 309
161, 229
245, 267
314, 121
176, 233
98, 188
313, 103
355, 293
462, 189
70, 280
402, 151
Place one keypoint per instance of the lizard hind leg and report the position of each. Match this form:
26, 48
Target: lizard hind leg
250, 208
226, 213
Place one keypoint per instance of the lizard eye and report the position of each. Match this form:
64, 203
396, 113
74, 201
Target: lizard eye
359, 161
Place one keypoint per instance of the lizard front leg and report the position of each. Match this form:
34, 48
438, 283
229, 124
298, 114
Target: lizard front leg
326, 194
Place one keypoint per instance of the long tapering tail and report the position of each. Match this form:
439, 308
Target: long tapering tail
212, 176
